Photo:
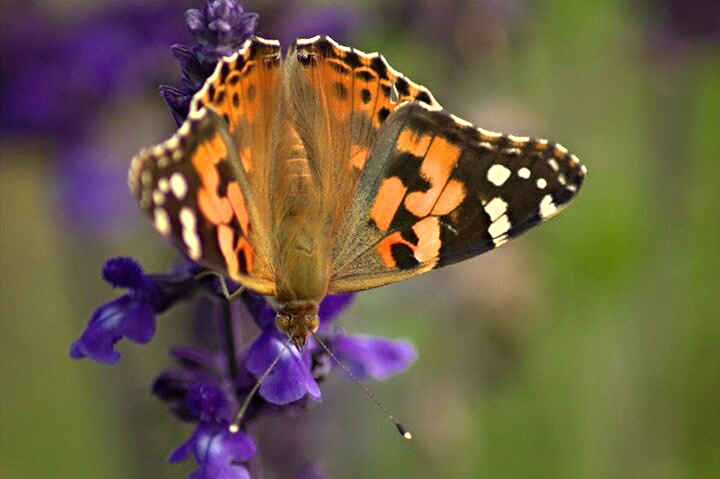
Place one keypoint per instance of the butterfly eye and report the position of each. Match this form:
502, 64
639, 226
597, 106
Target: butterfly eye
394, 95
282, 322
314, 323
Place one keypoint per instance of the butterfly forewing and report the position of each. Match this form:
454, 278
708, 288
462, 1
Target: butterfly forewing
246, 91
436, 190
195, 192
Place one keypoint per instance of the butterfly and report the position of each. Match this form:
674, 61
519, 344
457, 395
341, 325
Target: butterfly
327, 171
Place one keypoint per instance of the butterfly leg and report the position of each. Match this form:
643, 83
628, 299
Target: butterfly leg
230, 297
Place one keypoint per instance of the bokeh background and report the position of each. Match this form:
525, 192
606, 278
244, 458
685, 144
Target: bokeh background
589, 348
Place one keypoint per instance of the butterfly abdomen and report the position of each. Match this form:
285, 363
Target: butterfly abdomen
301, 242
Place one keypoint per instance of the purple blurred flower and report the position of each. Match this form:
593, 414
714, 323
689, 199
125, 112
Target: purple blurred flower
464, 27
312, 471
59, 81
371, 357
691, 20
56, 78
681, 27
133, 314
286, 21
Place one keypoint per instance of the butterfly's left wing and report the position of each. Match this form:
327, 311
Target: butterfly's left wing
437, 190
198, 196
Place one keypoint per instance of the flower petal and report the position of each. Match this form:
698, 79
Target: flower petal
209, 402
290, 379
374, 357
123, 272
125, 316
217, 451
332, 306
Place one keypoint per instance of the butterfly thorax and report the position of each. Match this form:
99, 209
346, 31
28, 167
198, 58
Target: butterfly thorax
298, 319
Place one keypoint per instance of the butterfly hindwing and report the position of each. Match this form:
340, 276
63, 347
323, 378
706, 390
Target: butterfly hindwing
194, 190
356, 90
436, 190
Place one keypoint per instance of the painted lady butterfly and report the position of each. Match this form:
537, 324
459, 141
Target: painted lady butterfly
328, 171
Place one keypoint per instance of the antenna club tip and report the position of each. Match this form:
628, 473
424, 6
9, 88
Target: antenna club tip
407, 435
233, 428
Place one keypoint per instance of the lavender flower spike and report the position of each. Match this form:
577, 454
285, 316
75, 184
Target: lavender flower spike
220, 29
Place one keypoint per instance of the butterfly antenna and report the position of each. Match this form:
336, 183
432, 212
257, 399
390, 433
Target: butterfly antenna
401, 429
235, 425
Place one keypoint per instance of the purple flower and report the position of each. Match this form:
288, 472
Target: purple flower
218, 453
294, 376
372, 357
220, 29
185, 387
133, 314
291, 379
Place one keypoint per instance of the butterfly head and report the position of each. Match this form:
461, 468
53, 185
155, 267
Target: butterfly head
298, 319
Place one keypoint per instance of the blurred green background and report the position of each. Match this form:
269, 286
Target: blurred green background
589, 348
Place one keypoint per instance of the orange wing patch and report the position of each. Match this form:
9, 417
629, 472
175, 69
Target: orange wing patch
423, 249
436, 167
389, 196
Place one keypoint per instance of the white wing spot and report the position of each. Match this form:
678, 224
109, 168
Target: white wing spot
163, 185
162, 221
500, 226
498, 174
541, 183
496, 208
547, 206
158, 198
190, 236
178, 185
553, 164
524, 173
501, 240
